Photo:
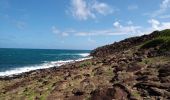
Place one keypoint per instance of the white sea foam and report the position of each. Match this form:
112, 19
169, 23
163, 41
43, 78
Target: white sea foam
45, 65
84, 54
80, 54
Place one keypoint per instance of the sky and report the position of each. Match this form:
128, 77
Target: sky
78, 24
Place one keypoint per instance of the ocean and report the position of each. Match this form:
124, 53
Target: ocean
16, 61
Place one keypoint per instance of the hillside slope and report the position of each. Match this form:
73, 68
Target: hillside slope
126, 44
137, 68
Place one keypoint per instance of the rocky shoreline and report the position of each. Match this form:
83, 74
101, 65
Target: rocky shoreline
25, 74
133, 69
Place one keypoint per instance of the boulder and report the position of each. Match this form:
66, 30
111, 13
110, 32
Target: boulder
87, 85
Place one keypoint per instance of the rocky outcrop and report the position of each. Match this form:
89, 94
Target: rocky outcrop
123, 45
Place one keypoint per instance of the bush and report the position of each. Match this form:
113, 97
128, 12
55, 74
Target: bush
163, 40
152, 43
84, 64
165, 33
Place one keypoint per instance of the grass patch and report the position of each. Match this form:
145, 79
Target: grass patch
85, 64
29, 94
109, 72
152, 43
160, 60
135, 94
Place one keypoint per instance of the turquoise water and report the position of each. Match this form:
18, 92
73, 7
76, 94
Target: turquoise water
12, 60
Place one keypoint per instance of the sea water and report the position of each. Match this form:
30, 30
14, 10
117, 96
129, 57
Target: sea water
16, 61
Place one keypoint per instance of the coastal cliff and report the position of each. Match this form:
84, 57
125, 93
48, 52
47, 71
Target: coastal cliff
136, 68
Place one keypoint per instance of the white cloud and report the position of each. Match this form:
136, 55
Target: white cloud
102, 8
155, 23
83, 9
55, 30
164, 6
129, 29
126, 29
132, 7
82, 33
117, 24
117, 29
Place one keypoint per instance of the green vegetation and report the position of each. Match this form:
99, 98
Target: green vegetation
85, 64
165, 33
151, 61
153, 43
109, 72
163, 40
135, 94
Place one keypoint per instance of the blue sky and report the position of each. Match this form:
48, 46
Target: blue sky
78, 24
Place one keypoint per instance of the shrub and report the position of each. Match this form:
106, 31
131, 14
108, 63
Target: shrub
165, 33
152, 43
163, 40
84, 64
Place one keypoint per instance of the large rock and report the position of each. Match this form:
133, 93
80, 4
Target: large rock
117, 92
87, 85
